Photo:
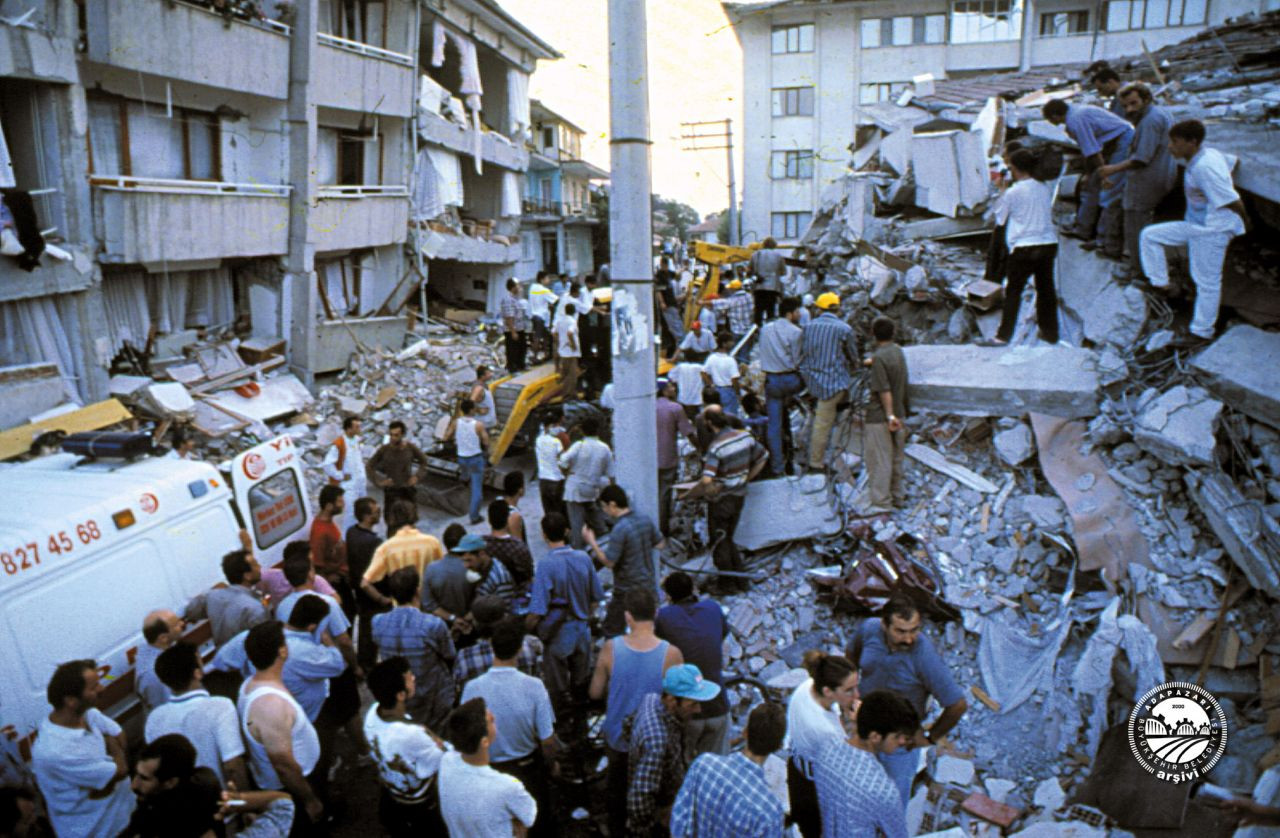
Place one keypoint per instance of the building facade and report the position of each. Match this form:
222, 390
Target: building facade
809, 66
559, 214
199, 169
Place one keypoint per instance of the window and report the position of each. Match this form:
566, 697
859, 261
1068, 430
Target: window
789, 225
548, 140
1056, 24
364, 21
793, 101
144, 140
276, 508
791, 165
1123, 15
346, 158
28, 150
983, 21
797, 38
903, 31
869, 94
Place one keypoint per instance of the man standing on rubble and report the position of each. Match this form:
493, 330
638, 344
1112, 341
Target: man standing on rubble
1103, 138
1107, 83
1149, 170
733, 460
883, 435
344, 466
391, 468
768, 265
829, 354
739, 310
1215, 215
893, 655
515, 327
779, 356
1026, 213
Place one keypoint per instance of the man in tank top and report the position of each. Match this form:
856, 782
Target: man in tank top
471, 438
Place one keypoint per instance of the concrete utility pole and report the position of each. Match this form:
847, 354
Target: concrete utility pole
631, 257
298, 285
712, 136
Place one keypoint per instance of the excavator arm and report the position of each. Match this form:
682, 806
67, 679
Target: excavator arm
716, 256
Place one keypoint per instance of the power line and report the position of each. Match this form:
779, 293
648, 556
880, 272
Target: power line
715, 135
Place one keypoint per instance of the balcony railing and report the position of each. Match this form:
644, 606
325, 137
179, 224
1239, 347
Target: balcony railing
364, 49
190, 187
532, 206
353, 191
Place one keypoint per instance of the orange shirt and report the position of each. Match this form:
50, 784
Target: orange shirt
407, 548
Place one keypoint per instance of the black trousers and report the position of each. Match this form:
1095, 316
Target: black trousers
804, 802
997, 256
515, 349
1023, 263
616, 780
533, 772
552, 494
766, 305
411, 820
723, 513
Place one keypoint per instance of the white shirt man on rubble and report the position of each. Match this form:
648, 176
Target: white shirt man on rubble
344, 466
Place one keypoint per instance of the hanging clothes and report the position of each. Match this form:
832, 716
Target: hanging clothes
437, 43
518, 104
7, 179
27, 226
449, 170
425, 199
510, 195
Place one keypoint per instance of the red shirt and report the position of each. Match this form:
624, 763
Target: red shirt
328, 553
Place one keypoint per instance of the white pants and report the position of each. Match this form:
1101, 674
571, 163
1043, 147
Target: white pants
1206, 249
351, 492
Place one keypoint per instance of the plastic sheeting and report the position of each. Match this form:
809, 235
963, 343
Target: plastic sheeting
449, 171
426, 201
1014, 664
1091, 681
511, 206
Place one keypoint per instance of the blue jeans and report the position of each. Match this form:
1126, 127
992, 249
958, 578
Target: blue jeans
779, 390
729, 400
901, 768
473, 471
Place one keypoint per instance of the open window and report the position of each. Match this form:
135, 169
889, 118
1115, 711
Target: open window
29, 158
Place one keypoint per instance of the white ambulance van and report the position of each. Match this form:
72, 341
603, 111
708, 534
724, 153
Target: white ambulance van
89, 546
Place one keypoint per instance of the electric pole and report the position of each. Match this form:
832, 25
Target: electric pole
713, 136
631, 257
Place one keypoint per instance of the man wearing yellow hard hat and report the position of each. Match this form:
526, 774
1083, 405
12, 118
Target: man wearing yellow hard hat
739, 309
829, 355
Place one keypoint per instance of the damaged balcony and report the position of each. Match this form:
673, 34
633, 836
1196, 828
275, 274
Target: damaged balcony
153, 220
180, 41
494, 147
355, 76
31, 45
351, 217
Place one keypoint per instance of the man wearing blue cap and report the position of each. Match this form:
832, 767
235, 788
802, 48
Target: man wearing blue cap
448, 589
655, 757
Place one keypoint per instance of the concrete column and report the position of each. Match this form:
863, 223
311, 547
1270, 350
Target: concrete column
298, 297
91, 313
1028, 35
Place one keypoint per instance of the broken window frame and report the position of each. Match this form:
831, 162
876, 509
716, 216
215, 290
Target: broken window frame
344, 141
791, 164
351, 21
1064, 23
187, 118
792, 38
789, 225
793, 101
1136, 15
877, 32
986, 21
883, 91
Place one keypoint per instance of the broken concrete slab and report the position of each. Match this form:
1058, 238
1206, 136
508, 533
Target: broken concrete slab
1178, 426
951, 769
1014, 445
1057, 380
777, 511
1251, 536
1252, 386
27, 390
950, 171
1106, 311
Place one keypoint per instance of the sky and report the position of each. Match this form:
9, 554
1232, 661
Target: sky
695, 74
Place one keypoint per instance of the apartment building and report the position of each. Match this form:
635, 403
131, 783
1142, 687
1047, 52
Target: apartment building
198, 167
473, 148
558, 212
809, 66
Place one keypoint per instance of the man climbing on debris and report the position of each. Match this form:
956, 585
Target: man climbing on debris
1215, 215
768, 266
541, 301
1107, 84
1149, 170
829, 354
1103, 138
391, 468
883, 435
893, 655
779, 357
1026, 211
733, 460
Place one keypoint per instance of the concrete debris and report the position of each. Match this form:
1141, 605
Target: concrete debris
1250, 535
786, 509
1178, 426
1107, 312
949, 769
1092, 679
1044, 511
1059, 380
1014, 446
1049, 794
1253, 388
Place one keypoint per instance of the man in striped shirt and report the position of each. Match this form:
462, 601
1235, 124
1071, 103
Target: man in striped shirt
733, 459
739, 309
829, 354
515, 326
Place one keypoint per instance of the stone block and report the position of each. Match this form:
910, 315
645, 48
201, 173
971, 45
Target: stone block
1178, 426
1251, 536
1243, 369
1014, 445
1057, 380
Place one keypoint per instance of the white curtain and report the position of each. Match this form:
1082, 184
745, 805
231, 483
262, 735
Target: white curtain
510, 194
210, 298
330, 273
104, 136
167, 301
449, 169
7, 180
155, 142
32, 331
128, 314
426, 199
518, 103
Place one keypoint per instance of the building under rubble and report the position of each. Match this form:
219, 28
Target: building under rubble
195, 168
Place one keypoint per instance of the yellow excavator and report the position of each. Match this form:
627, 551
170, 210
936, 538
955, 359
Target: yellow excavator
516, 397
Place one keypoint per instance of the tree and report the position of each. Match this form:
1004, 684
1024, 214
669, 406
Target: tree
672, 219
722, 229
600, 231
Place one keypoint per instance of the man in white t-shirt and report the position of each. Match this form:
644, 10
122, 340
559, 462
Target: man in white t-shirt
476, 800
541, 301
79, 757
687, 376
407, 754
720, 371
568, 349
208, 722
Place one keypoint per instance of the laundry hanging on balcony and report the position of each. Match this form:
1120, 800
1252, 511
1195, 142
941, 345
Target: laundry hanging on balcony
510, 194
470, 89
426, 200
518, 105
449, 172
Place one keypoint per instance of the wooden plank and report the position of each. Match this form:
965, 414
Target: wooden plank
17, 441
981, 694
1191, 635
236, 376
934, 460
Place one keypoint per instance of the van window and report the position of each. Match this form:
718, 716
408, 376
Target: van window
275, 505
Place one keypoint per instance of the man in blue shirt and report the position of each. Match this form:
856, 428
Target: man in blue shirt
565, 591
311, 662
893, 655
829, 354
1104, 139
425, 641
629, 553
698, 629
